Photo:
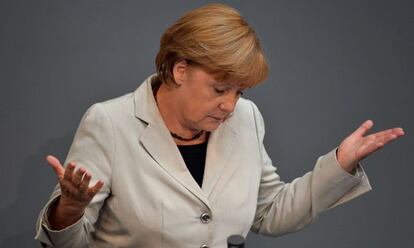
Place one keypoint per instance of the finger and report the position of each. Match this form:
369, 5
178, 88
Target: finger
386, 135
368, 148
77, 177
390, 136
398, 131
69, 171
376, 141
56, 166
367, 125
95, 189
84, 185
391, 131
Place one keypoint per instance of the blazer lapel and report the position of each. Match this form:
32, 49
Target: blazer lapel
158, 142
219, 149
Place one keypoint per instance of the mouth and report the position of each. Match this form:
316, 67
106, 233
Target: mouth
219, 119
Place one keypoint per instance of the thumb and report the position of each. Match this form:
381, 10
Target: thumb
367, 125
56, 165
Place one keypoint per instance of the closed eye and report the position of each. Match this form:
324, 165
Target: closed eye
219, 91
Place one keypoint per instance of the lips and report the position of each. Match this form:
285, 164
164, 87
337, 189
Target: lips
224, 117
218, 118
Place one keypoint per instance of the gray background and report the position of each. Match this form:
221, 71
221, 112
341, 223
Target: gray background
333, 64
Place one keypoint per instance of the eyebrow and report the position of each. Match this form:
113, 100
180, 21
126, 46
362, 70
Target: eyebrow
224, 84
233, 86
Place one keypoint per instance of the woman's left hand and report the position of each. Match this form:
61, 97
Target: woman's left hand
356, 147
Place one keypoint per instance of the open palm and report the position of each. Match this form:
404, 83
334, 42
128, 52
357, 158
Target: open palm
356, 146
76, 193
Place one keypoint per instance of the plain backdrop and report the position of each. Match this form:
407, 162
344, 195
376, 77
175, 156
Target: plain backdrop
333, 65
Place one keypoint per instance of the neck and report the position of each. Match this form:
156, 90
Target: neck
167, 101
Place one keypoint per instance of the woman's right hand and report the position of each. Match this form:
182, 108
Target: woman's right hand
75, 193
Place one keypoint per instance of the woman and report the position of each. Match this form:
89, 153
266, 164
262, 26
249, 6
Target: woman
180, 162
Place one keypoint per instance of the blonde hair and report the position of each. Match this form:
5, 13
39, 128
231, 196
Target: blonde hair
217, 38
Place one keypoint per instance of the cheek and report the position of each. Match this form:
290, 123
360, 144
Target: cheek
200, 105
210, 109
201, 112
202, 108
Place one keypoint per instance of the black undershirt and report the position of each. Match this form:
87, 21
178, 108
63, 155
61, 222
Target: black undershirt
195, 158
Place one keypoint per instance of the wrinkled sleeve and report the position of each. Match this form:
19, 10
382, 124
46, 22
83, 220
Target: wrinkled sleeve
93, 148
288, 207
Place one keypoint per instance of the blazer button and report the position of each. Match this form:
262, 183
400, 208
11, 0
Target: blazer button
204, 246
205, 218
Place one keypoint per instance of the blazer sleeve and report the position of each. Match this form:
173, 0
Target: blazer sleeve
287, 207
93, 147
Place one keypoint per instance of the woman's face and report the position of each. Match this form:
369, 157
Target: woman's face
203, 102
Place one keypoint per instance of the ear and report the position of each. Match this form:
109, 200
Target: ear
180, 71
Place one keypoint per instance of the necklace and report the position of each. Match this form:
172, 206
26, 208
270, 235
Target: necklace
196, 136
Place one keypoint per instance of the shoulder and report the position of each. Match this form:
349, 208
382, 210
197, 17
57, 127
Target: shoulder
246, 114
115, 110
119, 105
247, 110
249, 115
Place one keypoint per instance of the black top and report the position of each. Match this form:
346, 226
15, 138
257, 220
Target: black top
195, 158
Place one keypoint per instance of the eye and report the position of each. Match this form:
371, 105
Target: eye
240, 93
219, 91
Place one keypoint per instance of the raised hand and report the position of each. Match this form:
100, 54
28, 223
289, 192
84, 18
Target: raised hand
76, 193
74, 185
356, 147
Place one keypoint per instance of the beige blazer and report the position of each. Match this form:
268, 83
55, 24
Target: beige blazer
151, 200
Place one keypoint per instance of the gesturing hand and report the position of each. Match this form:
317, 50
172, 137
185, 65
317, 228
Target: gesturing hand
356, 147
76, 193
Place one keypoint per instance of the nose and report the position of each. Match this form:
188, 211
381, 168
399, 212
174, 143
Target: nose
229, 103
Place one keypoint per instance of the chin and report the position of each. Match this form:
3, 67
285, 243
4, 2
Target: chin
210, 127
209, 124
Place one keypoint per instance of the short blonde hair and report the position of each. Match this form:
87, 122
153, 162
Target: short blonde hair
217, 38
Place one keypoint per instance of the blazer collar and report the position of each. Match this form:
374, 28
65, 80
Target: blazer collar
145, 106
160, 145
